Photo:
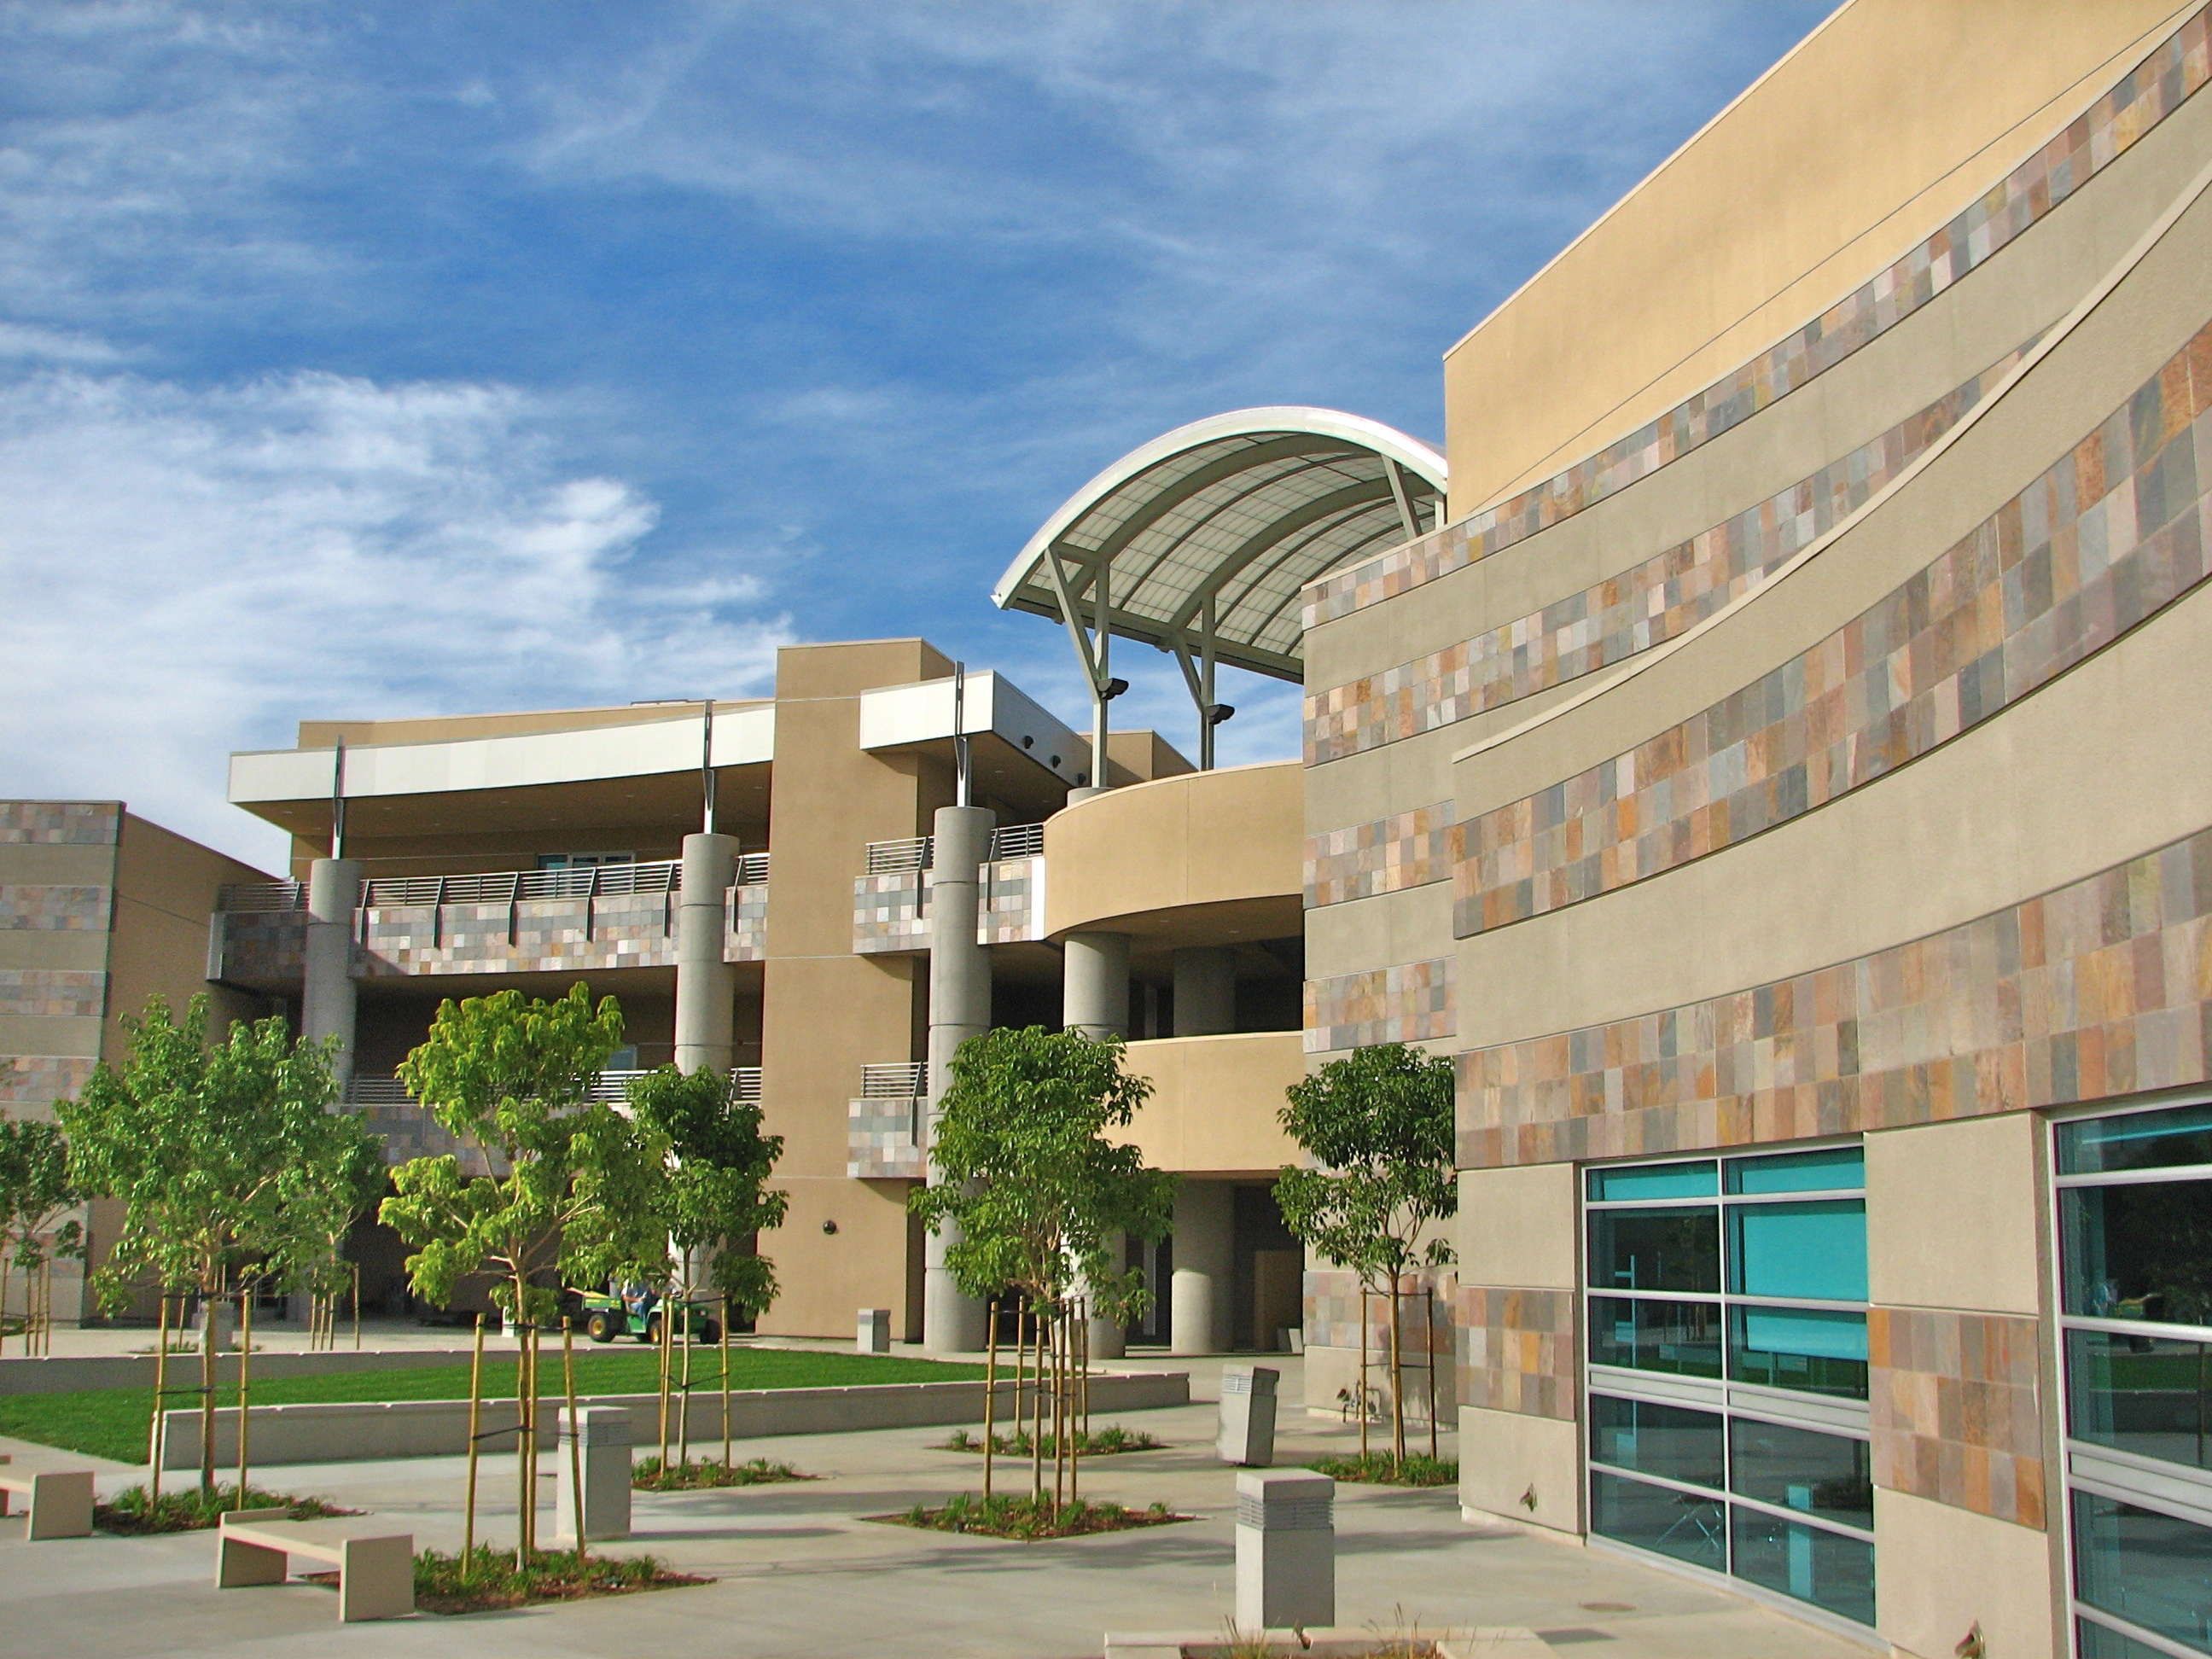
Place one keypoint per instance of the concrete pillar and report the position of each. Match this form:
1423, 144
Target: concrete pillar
1108, 1338
1096, 986
959, 1008
1200, 1293
601, 1435
705, 986
1204, 991
327, 992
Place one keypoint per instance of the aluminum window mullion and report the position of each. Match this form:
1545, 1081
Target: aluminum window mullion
1731, 1497
2113, 1622
2136, 1177
2152, 1327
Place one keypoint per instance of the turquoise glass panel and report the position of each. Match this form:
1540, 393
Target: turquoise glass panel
1832, 1168
1813, 1331
2139, 1140
1815, 1251
1642, 1182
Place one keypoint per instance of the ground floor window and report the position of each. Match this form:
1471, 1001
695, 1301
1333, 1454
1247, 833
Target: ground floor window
1726, 1369
2135, 1231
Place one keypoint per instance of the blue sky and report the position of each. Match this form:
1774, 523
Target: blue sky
403, 359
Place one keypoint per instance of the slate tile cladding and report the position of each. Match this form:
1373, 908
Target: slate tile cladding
1331, 1313
891, 912
39, 1080
879, 1141
1409, 1003
619, 930
2097, 989
1957, 1412
2102, 540
59, 822
261, 947
1409, 849
1518, 1350
49, 907
745, 924
52, 991
2146, 94
1649, 603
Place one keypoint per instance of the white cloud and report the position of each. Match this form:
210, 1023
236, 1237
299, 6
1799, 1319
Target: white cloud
183, 573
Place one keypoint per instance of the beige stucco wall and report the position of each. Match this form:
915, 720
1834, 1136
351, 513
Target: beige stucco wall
1940, 1570
1505, 1457
1953, 1210
1775, 217
1517, 1227
1202, 838
1214, 1100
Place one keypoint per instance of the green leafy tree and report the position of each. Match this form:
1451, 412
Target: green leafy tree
1378, 1127
565, 1190
36, 1193
1040, 1196
223, 1157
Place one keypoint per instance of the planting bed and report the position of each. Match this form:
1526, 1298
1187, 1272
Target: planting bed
648, 1475
1028, 1519
1376, 1469
187, 1509
488, 1580
1100, 1443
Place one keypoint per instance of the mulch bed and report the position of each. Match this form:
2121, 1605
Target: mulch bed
190, 1509
650, 1476
488, 1580
1027, 1519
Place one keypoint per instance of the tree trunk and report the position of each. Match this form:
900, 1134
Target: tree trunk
1397, 1384
209, 1320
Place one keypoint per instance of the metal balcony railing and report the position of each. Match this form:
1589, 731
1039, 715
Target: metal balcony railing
512, 886
241, 897
752, 869
1015, 841
365, 1089
894, 1080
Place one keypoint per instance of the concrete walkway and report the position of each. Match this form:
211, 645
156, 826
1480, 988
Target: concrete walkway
801, 1574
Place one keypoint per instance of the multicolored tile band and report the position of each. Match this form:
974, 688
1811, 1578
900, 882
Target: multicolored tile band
1649, 603
1957, 1410
2102, 540
1410, 1002
48, 907
745, 924
47, 992
616, 930
59, 822
1410, 849
2146, 95
1333, 1313
36, 1081
1517, 1351
2102, 987
881, 1139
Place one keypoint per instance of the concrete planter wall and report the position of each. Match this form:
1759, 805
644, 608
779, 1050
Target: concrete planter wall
354, 1432
68, 1373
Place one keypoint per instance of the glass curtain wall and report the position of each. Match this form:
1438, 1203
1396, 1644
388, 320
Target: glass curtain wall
1726, 1369
2135, 1231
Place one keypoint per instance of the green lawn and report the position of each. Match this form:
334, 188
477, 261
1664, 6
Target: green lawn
112, 1422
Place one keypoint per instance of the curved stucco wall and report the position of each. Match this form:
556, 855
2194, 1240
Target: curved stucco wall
1127, 857
1214, 1100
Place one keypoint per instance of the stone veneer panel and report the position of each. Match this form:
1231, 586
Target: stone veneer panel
59, 822
879, 1139
891, 913
1647, 605
38, 1080
1517, 1351
2101, 987
52, 906
1409, 849
1331, 1313
1957, 1410
745, 931
2100, 541
1410, 1002
2142, 98
617, 930
52, 991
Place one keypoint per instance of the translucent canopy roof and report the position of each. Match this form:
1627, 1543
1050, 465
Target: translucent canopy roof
1226, 519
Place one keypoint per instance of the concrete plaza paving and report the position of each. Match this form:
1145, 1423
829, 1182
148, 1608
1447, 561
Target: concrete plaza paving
800, 1575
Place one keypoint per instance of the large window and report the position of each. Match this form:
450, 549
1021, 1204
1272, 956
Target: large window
1727, 1369
2135, 1229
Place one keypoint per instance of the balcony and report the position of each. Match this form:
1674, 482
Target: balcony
1014, 841
884, 1127
600, 917
890, 903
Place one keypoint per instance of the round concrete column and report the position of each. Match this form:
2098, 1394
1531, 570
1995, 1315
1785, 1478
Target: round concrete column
327, 991
1095, 988
705, 985
1106, 1337
1204, 991
1199, 1295
959, 1008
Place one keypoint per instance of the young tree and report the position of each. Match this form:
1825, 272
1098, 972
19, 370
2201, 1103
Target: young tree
717, 1198
569, 1190
35, 1193
221, 1155
1378, 1127
1027, 1175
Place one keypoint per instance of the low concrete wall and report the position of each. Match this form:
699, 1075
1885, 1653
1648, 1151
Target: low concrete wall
353, 1432
67, 1374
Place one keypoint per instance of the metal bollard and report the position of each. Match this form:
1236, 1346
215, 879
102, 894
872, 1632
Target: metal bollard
1285, 1550
1247, 1416
874, 1335
603, 1438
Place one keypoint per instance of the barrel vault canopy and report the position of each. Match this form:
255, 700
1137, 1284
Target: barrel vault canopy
1244, 509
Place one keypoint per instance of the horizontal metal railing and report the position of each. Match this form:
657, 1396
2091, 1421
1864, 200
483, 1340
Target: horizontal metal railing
365, 1089
490, 887
238, 897
752, 869
1015, 841
894, 1080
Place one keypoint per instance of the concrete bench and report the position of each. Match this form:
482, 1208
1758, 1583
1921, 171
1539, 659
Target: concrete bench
376, 1567
61, 1501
